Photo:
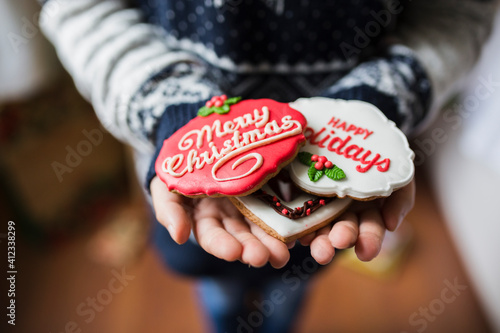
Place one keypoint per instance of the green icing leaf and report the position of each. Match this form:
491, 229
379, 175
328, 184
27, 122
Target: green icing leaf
220, 110
232, 100
314, 174
335, 173
204, 111
225, 108
305, 158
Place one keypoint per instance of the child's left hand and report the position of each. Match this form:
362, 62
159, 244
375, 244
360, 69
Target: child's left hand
363, 226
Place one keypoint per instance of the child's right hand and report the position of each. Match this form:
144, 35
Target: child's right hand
218, 226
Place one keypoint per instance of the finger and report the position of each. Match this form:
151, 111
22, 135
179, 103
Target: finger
254, 252
212, 237
307, 239
371, 234
321, 247
278, 251
344, 233
170, 211
398, 205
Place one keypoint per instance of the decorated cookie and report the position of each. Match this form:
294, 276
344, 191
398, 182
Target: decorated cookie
352, 150
287, 213
231, 148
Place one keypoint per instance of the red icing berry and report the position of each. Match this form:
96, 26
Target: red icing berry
275, 199
319, 165
314, 158
328, 165
209, 104
310, 202
214, 99
299, 208
308, 211
284, 211
223, 97
322, 159
322, 202
278, 204
218, 103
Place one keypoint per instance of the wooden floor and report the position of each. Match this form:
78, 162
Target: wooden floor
55, 286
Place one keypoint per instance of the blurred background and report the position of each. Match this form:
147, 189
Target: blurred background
83, 259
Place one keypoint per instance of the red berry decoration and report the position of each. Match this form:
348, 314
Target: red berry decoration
319, 165
328, 165
223, 97
322, 202
218, 103
314, 158
322, 159
310, 202
284, 211
275, 199
209, 104
308, 211
278, 204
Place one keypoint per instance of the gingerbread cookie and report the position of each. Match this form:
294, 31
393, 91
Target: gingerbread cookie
287, 213
352, 150
231, 148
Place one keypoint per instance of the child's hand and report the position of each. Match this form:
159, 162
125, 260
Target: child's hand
362, 226
218, 226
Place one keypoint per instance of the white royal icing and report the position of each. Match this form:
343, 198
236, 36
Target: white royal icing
357, 129
286, 227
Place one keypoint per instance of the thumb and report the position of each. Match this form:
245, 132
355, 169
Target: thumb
170, 211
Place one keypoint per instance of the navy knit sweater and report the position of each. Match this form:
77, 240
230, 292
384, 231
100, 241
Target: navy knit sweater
148, 80
289, 49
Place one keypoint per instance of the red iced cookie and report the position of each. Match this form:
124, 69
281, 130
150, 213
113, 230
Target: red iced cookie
232, 151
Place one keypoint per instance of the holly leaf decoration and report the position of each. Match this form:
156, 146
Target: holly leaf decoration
219, 110
305, 158
232, 100
314, 174
335, 173
204, 111
209, 108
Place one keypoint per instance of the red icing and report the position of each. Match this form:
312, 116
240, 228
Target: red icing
341, 146
357, 130
198, 158
319, 165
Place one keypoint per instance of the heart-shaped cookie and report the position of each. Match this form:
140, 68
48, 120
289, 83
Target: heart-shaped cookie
288, 213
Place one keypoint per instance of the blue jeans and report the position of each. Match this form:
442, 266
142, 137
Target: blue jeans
238, 298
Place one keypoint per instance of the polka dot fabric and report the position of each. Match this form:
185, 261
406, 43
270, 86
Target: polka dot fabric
266, 32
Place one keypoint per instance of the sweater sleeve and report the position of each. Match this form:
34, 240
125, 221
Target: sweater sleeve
434, 45
125, 69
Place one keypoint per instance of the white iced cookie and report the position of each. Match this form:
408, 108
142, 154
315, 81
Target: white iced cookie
352, 150
289, 220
